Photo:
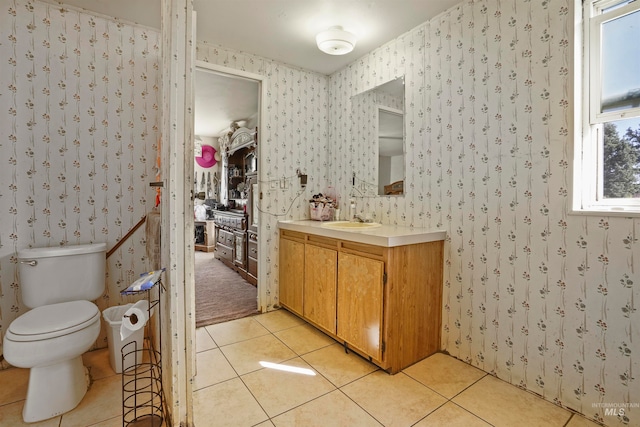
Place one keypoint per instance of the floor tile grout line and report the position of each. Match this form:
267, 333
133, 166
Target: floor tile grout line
229, 362
301, 356
207, 332
285, 344
467, 387
447, 399
426, 386
216, 384
377, 368
259, 369
431, 412
268, 331
528, 392
569, 420
255, 398
423, 384
269, 417
380, 422
12, 403
531, 393
358, 405
284, 329
572, 413
472, 413
302, 404
440, 394
297, 356
242, 340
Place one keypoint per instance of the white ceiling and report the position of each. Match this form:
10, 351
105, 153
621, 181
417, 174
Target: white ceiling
222, 99
285, 30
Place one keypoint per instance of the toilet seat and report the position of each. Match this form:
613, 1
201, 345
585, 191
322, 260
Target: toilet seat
51, 321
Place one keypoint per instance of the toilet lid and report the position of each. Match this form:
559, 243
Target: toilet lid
50, 321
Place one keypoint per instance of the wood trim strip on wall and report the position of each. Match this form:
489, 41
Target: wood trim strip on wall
121, 241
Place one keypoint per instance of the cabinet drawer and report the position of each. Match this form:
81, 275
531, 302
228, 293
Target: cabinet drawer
224, 252
362, 249
325, 242
240, 249
225, 237
231, 221
293, 235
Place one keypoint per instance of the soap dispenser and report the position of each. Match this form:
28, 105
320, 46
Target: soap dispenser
352, 209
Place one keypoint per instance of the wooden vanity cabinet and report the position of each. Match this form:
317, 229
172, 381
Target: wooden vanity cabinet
291, 271
360, 303
319, 290
382, 302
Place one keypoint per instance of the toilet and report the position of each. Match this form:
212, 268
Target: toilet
58, 285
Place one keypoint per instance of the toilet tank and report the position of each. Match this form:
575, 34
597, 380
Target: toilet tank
61, 273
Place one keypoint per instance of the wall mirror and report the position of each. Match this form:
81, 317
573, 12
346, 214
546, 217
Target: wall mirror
378, 138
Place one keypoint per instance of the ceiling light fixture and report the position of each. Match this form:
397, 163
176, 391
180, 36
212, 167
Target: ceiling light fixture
336, 41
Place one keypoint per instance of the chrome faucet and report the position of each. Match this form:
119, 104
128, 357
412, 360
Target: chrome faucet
359, 218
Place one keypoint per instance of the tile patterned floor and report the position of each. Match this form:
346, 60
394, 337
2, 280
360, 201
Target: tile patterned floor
101, 406
231, 388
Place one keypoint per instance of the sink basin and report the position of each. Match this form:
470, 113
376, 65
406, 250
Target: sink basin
348, 225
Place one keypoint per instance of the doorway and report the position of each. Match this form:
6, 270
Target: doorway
226, 123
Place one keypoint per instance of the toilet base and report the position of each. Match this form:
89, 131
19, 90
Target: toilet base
55, 389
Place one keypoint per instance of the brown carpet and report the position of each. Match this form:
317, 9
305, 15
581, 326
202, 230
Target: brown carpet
221, 293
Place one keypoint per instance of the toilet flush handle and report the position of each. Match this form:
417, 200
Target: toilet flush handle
31, 262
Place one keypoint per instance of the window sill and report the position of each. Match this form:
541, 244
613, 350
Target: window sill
626, 212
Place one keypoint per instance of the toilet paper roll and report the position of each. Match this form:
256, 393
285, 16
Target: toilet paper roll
135, 318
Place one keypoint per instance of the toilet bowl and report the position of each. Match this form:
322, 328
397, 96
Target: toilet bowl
58, 284
50, 340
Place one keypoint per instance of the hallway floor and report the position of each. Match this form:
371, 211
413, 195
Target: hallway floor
330, 387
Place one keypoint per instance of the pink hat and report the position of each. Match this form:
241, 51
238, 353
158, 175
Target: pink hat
208, 157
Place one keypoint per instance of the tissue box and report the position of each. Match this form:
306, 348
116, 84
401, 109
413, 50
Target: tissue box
321, 212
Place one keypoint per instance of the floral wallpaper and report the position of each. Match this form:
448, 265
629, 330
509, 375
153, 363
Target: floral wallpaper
79, 126
534, 295
295, 137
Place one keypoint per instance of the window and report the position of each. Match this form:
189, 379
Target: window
607, 158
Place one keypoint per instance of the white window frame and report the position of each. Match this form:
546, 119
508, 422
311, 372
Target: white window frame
588, 156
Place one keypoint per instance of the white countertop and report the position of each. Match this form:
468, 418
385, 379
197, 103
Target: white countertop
385, 235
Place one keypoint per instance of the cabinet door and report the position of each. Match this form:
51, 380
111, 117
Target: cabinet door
320, 286
239, 249
360, 303
291, 274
